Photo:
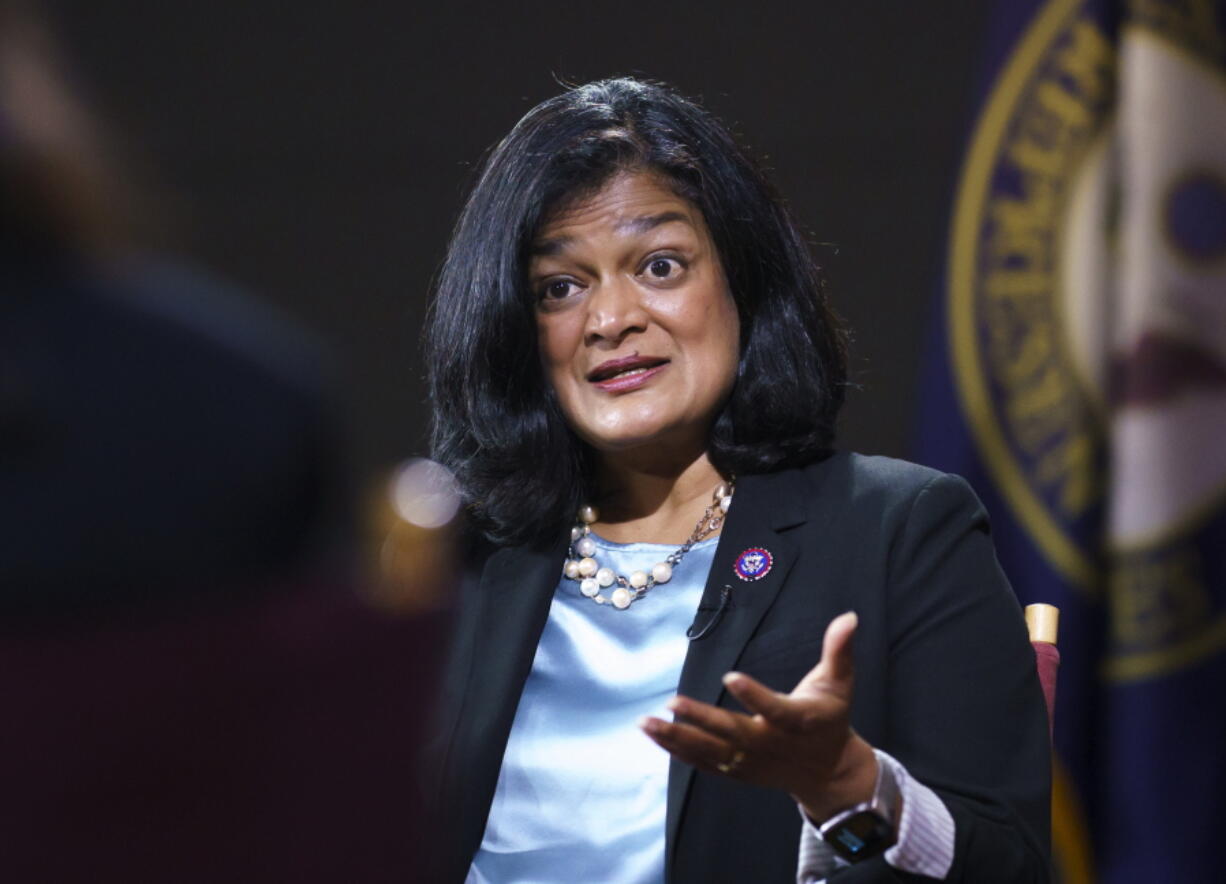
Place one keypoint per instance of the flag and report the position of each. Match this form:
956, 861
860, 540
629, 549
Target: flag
1078, 380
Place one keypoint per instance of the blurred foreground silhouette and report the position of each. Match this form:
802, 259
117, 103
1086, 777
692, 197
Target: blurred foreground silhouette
199, 683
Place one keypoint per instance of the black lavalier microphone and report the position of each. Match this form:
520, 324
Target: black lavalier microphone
725, 602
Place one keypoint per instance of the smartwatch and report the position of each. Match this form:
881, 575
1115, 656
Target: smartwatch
868, 829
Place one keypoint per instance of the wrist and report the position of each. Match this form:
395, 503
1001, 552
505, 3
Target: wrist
852, 782
868, 828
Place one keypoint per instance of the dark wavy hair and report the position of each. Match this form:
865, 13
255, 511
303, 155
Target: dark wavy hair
497, 423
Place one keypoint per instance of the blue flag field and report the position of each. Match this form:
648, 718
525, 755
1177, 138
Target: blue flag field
1078, 380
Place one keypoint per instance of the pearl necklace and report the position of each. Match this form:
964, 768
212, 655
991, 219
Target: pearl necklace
581, 564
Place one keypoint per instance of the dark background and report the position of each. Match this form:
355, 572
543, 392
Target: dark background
318, 154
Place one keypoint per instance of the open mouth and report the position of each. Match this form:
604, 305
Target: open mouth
624, 368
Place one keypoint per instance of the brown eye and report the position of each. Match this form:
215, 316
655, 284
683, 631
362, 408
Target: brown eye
663, 268
557, 289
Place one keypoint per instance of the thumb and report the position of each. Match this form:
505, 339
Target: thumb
835, 673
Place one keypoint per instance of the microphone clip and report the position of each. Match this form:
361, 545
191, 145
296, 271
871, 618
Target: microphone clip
725, 602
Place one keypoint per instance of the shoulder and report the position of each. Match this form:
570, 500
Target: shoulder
872, 472
882, 484
869, 506
879, 506
473, 549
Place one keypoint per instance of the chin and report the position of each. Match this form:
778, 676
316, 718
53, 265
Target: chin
644, 436
622, 441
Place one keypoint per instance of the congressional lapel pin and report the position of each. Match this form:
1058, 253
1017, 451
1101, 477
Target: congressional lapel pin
753, 564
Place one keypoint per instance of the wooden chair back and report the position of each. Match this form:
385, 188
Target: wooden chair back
1043, 623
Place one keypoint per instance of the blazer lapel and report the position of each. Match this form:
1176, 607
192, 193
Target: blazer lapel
513, 601
763, 507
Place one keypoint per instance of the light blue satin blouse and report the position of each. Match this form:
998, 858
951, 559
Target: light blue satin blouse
582, 791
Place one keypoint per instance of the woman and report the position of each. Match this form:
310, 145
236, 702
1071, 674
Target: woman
636, 375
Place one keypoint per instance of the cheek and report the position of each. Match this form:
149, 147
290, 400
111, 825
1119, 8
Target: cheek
710, 329
559, 342
729, 359
726, 344
556, 348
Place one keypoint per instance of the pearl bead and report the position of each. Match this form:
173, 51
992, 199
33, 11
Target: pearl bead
626, 590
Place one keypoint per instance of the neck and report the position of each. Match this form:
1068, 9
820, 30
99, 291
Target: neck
651, 500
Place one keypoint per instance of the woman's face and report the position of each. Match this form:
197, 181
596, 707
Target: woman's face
638, 333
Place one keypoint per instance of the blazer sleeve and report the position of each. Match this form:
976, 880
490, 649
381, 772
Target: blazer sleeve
963, 706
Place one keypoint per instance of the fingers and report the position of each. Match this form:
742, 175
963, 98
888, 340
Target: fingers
689, 743
706, 736
826, 689
758, 698
723, 723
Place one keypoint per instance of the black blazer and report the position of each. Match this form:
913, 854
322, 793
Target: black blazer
945, 676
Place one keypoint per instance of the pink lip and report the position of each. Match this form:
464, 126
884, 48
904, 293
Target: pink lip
652, 366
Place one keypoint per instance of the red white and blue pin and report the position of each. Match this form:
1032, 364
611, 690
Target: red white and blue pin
753, 564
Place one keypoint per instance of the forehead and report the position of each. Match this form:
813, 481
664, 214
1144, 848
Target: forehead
628, 204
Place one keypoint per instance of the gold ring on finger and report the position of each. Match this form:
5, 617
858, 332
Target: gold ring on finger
730, 766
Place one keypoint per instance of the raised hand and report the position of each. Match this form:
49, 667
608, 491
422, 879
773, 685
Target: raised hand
800, 742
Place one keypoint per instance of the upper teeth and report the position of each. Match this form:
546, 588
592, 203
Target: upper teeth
630, 371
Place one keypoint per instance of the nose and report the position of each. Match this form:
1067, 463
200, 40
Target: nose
614, 310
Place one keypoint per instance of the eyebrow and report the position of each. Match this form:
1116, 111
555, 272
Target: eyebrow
632, 226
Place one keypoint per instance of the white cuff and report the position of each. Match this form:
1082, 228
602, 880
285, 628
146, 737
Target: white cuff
925, 844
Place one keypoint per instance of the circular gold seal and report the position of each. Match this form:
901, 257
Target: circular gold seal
1087, 323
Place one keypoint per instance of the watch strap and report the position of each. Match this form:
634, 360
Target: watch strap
883, 806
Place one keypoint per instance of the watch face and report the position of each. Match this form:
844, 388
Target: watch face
860, 835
